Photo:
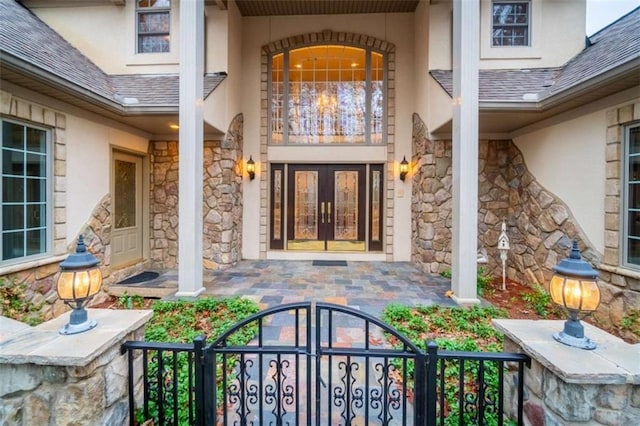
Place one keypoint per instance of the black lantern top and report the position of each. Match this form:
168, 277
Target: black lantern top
574, 266
81, 259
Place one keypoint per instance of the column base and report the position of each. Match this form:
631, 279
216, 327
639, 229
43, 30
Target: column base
465, 301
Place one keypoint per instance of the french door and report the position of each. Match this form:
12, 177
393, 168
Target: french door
328, 207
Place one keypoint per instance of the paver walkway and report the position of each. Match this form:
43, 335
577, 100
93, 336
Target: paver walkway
368, 286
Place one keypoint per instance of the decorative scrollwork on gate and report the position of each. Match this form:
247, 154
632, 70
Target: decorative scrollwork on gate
489, 402
241, 393
386, 397
348, 396
280, 394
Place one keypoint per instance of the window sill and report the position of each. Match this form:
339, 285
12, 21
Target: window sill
32, 264
620, 270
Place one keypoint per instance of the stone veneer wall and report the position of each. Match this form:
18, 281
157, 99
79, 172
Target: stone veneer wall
570, 386
222, 193
328, 36
40, 384
540, 226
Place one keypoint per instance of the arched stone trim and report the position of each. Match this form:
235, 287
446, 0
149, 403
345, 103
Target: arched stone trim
338, 37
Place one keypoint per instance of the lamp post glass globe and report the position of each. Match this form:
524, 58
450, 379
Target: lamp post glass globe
80, 279
574, 286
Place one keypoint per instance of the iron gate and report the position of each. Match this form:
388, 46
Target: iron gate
333, 370
323, 364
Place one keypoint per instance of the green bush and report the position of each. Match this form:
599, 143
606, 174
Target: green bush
181, 321
453, 329
483, 279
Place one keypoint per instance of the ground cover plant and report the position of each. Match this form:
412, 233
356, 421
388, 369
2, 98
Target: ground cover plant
14, 304
453, 329
181, 321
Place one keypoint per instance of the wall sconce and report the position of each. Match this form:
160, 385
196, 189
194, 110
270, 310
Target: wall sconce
80, 279
404, 168
251, 168
574, 285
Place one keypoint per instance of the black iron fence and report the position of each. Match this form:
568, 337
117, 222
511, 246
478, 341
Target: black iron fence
297, 371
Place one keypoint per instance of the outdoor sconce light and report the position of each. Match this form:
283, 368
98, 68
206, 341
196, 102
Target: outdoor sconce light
574, 285
251, 168
404, 168
80, 279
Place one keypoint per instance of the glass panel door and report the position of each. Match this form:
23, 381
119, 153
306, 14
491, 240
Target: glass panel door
326, 208
346, 205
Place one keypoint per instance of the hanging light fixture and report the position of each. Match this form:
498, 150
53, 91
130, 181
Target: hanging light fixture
574, 286
80, 279
404, 168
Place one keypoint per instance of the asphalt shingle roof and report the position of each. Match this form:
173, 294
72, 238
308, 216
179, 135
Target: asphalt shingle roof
24, 36
610, 47
613, 46
504, 85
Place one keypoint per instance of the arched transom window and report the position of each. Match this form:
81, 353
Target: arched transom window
327, 94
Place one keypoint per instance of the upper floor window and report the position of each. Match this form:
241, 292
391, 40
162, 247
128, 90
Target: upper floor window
510, 23
153, 19
631, 231
25, 192
327, 94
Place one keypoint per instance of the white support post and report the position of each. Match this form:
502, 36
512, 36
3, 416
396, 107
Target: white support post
466, 34
190, 148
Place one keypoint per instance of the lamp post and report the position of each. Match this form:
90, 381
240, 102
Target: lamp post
503, 248
80, 279
574, 285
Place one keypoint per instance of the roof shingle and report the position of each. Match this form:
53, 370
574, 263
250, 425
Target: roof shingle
613, 46
24, 36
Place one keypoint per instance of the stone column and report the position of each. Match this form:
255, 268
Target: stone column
81, 379
571, 386
190, 148
466, 30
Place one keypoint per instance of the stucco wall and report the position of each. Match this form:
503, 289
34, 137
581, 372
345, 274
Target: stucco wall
107, 36
568, 160
89, 149
557, 34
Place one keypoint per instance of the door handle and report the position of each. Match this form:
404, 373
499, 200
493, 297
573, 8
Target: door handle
328, 212
322, 212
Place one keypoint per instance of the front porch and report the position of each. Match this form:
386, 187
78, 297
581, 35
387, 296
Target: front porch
368, 286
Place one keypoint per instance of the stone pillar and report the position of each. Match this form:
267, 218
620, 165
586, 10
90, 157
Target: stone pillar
190, 148
571, 386
466, 30
81, 379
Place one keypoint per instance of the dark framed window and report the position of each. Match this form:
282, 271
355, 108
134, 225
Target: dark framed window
25, 189
510, 23
631, 214
153, 25
327, 94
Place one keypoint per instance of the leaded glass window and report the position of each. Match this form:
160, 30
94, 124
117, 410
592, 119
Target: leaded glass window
25, 193
510, 23
153, 22
327, 94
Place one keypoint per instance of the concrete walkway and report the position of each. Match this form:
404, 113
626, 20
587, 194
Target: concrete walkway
368, 286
